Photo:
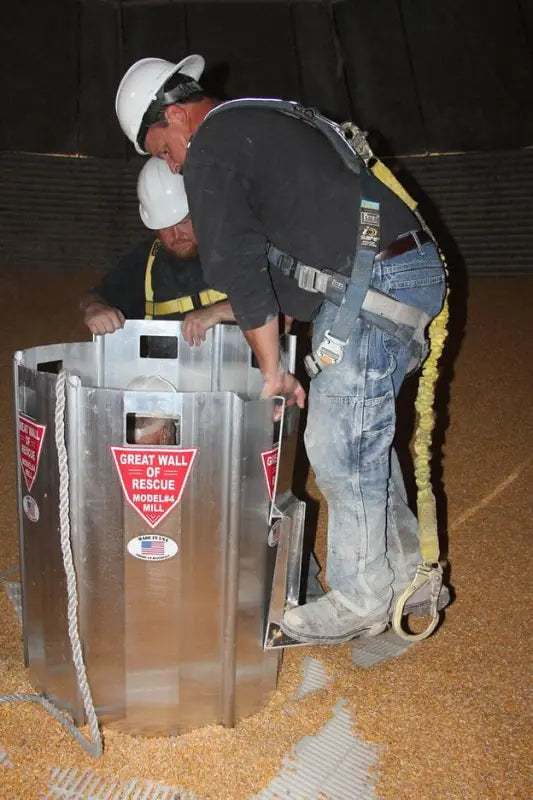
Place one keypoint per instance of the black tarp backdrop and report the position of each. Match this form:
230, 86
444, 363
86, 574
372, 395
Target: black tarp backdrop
453, 76
444, 76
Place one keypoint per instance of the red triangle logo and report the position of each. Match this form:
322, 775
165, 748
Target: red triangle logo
270, 466
153, 479
31, 436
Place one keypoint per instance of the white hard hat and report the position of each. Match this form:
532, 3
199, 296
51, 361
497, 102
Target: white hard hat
162, 198
142, 90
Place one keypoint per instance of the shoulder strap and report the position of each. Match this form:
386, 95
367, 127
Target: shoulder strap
311, 116
148, 287
331, 348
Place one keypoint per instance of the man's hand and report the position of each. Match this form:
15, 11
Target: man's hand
286, 385
197, 323
101, 318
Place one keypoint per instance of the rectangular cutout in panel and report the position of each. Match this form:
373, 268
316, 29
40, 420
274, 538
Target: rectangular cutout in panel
53, 367
146, 429
158, 346
28, 401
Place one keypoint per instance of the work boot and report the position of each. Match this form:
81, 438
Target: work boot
419, 603
331, 620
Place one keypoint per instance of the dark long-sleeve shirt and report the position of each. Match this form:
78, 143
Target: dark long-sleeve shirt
123, 285
255, 176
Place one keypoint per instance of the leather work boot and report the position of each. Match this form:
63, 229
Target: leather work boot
331, 620
419, 603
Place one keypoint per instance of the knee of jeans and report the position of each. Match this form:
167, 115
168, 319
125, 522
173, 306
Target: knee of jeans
332, 424
348, 434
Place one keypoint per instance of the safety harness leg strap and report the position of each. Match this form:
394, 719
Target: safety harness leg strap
331, 348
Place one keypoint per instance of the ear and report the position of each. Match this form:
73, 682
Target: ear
176, 115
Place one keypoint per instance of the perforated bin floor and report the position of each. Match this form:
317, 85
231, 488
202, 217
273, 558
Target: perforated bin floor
447, 718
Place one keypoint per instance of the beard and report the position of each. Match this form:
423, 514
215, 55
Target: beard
186, 249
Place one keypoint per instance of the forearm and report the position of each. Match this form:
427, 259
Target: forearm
90, 299
224, 311
264, 341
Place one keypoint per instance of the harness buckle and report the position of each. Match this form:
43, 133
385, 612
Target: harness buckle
330, 350
287, 265
312, 280
357, 139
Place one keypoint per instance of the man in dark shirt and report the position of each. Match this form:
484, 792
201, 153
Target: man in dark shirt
167, 267
256, 177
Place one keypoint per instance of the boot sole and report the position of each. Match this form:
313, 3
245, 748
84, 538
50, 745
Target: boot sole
373, 629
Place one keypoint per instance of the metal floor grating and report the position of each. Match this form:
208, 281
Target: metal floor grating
332, 764
75, 784
368, 652
314, 678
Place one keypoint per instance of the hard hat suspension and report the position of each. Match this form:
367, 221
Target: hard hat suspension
179, 87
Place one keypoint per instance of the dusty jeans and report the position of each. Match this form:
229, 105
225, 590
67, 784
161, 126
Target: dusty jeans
372, 534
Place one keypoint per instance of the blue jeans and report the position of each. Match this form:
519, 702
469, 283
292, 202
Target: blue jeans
372, 534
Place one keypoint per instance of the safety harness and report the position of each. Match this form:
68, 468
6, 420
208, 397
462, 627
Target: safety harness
354, 297
179, 305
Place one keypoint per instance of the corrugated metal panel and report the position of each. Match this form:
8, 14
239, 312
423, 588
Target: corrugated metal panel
65, 212
485, 203
58, 212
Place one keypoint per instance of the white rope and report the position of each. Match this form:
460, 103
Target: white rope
94, 747
66, 722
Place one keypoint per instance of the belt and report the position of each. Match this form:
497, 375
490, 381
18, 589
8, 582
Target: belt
403, 245
183, 304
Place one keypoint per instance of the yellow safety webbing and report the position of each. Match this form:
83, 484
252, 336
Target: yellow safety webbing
178, 306
429, 571
383, 174
148, 288
181, 305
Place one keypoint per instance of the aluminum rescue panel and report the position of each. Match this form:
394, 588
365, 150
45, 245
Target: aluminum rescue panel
173, 550
172, 640
222, 363
44, 607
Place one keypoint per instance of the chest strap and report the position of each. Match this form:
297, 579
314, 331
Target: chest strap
179, 305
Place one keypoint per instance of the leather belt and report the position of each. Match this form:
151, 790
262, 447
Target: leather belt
403, 245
